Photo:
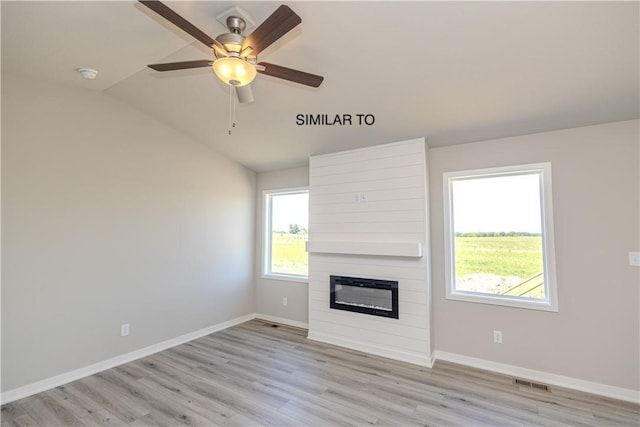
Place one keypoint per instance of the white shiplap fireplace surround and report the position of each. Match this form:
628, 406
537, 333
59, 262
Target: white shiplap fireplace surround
369, 218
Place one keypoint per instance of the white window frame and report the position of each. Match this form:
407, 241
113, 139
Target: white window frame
266, 239
550, 303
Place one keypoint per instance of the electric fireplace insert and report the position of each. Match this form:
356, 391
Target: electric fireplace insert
361, 295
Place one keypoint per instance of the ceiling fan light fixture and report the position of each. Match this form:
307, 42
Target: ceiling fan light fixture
234, 71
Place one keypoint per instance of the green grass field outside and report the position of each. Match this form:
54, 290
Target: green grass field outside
288, 255
519, 256
495, 264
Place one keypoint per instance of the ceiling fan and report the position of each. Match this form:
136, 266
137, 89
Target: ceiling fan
236, 61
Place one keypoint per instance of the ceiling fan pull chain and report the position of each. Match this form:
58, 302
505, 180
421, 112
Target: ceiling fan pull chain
233, 107
230, 124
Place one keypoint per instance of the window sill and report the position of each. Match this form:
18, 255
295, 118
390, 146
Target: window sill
286, 277
514, 302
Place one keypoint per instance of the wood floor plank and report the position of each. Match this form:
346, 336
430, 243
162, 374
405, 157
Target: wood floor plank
261, 374
239, 420
23, 420
87, 411
189, 381
310, 402
11, 411
173, 412
44, 410
180, 393
101, 394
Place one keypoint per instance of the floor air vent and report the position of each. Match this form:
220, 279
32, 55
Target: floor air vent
531, 384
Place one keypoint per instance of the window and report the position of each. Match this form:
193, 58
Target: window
286, 231
499, 237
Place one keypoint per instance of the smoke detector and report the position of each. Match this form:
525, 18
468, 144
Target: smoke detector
88, 73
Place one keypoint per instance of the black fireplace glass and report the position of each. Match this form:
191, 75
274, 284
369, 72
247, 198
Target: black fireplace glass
363, 295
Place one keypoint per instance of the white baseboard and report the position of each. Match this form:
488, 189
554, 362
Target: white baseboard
416, 358
542, 377
282, 320
76, 374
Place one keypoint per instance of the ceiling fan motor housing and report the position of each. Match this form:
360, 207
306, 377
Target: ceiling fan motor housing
232, 43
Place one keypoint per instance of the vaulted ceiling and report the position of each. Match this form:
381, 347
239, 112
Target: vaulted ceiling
452, 72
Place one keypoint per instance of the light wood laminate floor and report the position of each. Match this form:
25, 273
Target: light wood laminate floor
257, 374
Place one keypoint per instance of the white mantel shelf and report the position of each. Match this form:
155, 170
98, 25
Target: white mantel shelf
391, 249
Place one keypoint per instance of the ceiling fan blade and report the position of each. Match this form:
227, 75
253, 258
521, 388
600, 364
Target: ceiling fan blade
275, 26
245, 93
172, 66
290, 74
177, 20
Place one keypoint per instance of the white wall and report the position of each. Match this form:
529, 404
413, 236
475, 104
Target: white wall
112, 217
270, 291
595, 336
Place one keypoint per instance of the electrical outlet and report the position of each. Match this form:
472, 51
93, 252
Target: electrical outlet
497, 337
284, 301
124, 329
634, 259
